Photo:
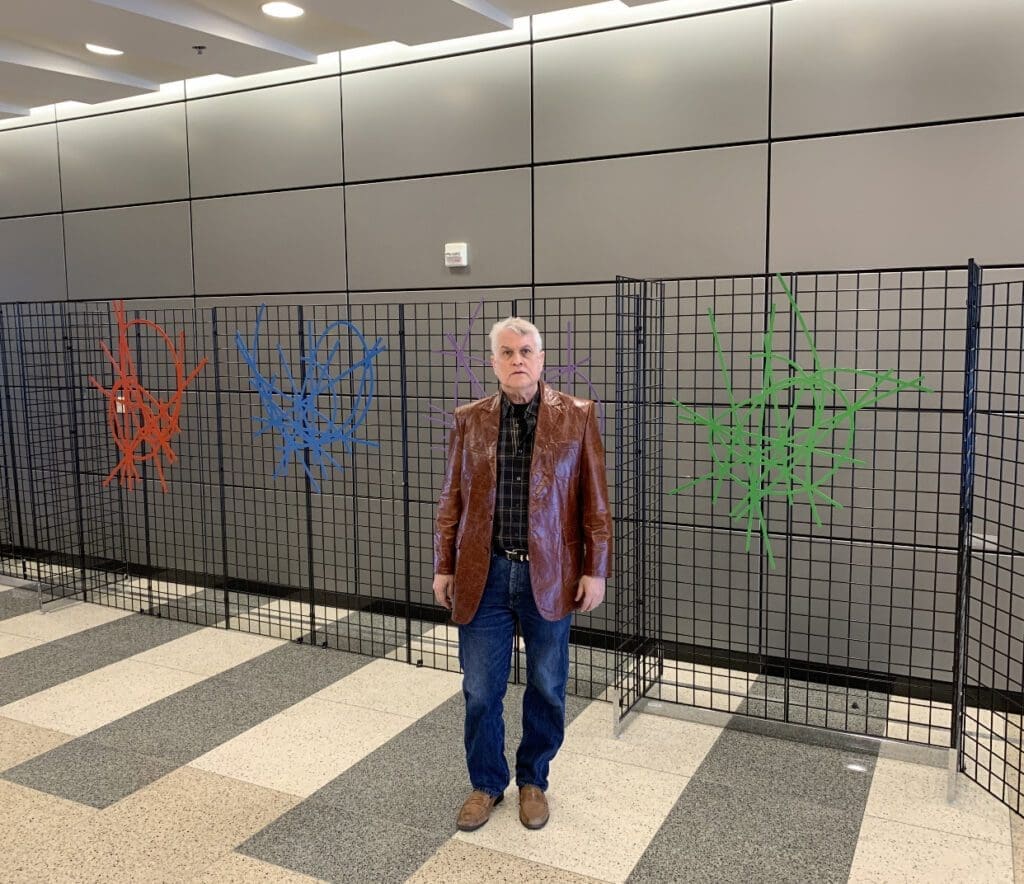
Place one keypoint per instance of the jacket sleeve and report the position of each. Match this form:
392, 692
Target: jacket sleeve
449, 507
597, 517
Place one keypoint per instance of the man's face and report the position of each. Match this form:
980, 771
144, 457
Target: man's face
518, 364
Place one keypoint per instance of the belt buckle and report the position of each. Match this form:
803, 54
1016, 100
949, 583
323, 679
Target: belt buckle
517, 555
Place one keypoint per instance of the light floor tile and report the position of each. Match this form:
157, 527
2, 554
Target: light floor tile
1017, 831
998, 725
459, 863
696, 675
388, 686
702, 698
283, 619
236, 868
918, 721
437, 648
15, 644
891, 851
162, 589
90, 701
304, 747
31, 823
603, 815
60, 622
916, 795
995, 764
19, 742
705, 687
650, 741
208, 651
171, 830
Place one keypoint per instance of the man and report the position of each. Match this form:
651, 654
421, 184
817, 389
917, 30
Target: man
523, 533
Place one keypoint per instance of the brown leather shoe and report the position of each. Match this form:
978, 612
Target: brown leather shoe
476, 810
533, 807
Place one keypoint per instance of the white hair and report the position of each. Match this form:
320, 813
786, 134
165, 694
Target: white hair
517, 325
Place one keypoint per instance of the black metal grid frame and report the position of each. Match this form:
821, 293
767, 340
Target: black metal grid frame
852, 630
67, 538
853, 627
990, 646
638, 480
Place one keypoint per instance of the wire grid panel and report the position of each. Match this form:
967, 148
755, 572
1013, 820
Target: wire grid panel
580, 353
159, 455
12, 562
50, 431
850, 630
447, 365
811, 537
359, 515
994, 648
100, 504
639, 366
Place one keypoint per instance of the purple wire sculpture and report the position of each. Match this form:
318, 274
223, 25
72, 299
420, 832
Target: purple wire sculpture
457, 347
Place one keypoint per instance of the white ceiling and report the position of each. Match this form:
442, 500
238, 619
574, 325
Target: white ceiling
43, 59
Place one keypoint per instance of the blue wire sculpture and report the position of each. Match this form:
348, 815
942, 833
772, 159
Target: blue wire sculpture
308, 426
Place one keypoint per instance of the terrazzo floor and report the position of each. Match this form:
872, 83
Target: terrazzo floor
135, 748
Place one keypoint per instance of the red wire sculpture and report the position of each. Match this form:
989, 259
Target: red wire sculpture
142, 423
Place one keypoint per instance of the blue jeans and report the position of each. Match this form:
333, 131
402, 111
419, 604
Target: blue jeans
485, 653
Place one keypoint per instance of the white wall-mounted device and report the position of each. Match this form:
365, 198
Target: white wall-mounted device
456, 254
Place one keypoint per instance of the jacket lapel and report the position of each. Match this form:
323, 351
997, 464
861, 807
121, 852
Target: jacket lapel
549, 415
490, 425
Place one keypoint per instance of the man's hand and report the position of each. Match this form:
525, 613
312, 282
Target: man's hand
444, 589
589, 593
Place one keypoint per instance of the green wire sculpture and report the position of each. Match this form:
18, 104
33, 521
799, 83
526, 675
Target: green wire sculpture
779, 460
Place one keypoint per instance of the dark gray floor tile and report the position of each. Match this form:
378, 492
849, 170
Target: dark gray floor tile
364, 632
836, 707
416, 782
424, 767
762, 809
15, 602
751, 764
322, 840
728, 836
194, 721
205, 607
42, 667
89, 773
180, 728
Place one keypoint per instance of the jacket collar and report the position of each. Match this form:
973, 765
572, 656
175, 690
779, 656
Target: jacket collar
548, 397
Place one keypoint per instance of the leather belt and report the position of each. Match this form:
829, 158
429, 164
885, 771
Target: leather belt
514, 555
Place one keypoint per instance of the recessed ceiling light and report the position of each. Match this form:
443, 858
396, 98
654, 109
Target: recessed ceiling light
278, 9
102, 50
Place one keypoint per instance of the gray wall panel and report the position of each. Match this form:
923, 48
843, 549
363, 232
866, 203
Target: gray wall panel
32, 257
133, 157
670, 215
696, 81
841, 65
447, 115
29, 176
897, 199
137, 252
274, 242
397, 231
267, 139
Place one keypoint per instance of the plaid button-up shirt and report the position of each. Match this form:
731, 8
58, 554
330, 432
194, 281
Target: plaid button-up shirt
515, 451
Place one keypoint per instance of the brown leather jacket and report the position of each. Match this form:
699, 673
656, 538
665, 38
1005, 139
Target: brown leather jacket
570, 523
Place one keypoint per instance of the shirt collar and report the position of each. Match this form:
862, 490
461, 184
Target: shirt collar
531, 408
